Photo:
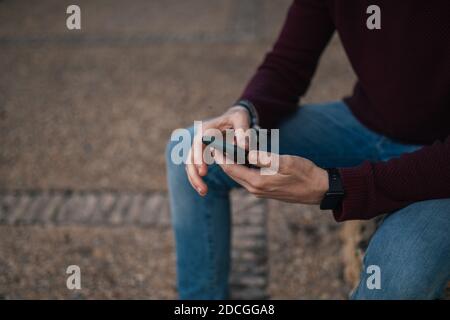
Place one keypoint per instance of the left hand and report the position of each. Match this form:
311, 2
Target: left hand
297, 180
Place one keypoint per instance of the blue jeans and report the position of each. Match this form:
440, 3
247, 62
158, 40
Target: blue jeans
412, 246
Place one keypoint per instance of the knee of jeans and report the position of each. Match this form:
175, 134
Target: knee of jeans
385, 277
412, 287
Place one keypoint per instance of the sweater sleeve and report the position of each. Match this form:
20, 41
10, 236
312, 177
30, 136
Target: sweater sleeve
382, 187
287, 69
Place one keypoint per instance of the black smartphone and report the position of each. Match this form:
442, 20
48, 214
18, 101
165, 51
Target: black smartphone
228, 149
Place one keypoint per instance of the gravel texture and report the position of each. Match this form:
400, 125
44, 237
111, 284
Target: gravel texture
115, 263
93, 109
305, 254
84, 119
121, 241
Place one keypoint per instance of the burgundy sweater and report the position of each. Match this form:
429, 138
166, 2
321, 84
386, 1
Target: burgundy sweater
402, 92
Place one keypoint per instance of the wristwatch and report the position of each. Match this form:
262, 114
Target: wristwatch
333, 197
254, 120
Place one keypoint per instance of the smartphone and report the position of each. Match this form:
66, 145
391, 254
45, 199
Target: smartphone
228, 149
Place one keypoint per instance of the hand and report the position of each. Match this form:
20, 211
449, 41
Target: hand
297, 180
236, 117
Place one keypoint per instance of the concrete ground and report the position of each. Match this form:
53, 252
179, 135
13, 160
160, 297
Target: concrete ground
91, 110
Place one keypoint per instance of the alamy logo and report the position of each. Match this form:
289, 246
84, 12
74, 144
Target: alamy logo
374, 280
374, 20
74, 280
73, 22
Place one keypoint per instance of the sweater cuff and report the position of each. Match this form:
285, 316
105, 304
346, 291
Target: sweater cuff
356, 186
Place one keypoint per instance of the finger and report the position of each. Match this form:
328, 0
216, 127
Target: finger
240, 123
262, 159
198, 147
193, 173
247, 175
241, 138
220, 159
195, 179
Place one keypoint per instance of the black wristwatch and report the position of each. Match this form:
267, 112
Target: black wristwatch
254, 120
333, 197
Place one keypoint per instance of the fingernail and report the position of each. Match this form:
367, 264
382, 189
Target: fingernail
252, 157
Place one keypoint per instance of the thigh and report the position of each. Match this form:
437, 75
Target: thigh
329, 135
412, 249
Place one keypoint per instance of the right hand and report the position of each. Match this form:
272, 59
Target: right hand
236, 117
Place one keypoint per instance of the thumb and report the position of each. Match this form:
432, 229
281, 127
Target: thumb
241, 123
261, 159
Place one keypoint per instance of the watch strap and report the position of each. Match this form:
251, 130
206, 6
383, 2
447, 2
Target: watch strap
254, 119
335, 194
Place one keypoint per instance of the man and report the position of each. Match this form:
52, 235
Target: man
388, 142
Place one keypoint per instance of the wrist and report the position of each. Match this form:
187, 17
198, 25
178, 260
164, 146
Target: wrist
321, 184
248, 105
240, 109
